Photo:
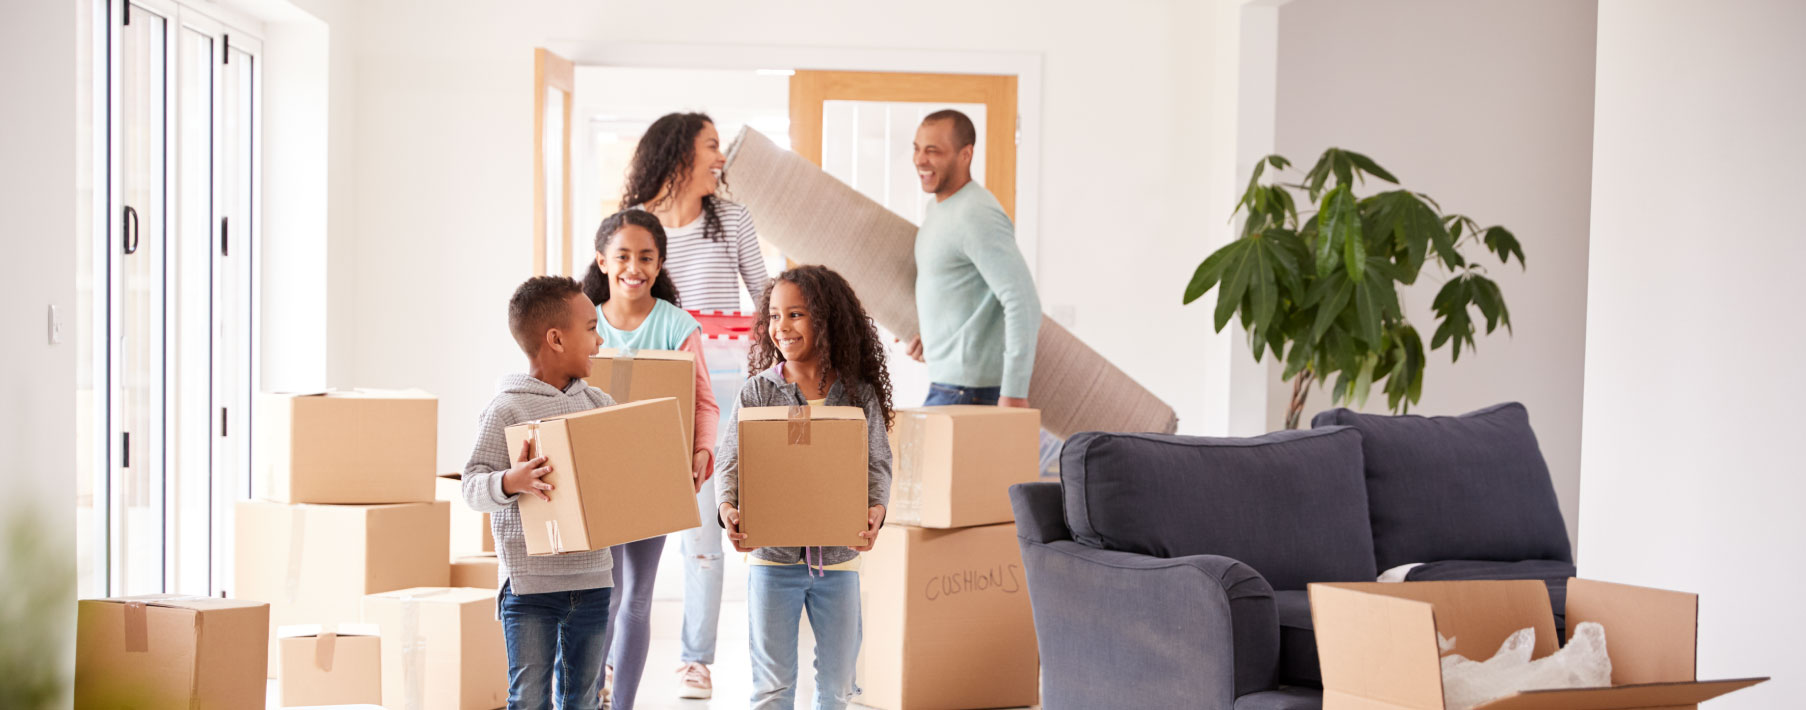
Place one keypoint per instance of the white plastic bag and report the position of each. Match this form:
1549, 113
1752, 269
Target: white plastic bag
1583, 663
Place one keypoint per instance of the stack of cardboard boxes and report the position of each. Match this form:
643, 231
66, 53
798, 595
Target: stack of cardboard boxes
346, 523
947, 616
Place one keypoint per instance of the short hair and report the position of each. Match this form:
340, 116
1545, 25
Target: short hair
537, 306
963, 132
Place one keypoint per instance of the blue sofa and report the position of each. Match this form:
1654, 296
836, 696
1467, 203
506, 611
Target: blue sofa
1170, 571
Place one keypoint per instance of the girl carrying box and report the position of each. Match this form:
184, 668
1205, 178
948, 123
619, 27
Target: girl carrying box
814, 345
637, 305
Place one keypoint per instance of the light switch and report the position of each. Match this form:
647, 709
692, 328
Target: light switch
56, 326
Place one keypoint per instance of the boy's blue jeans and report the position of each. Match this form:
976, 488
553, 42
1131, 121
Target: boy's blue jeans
556, 635
777, 596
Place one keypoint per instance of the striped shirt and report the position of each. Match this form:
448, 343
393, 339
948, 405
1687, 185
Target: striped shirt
709, 273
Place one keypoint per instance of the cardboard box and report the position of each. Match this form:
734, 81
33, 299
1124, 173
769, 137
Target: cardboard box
170, 651
955, 464
339, 665
315, 563
442, 648
803, 476
470, 531
640, 375
619, 474
356, 446
947, 620
1378, 645
479, 571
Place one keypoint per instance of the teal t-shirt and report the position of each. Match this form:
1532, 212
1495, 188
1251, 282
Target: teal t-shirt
665, 328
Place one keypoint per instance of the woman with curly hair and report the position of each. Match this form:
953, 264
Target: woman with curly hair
815, 345
712, 251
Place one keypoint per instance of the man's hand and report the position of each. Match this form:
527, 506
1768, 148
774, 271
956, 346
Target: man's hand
1019, 402
874, 520
915, 349
527, 473
700, 470
731, 516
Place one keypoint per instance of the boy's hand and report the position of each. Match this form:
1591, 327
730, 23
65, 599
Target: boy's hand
874, 520
700, 469
526, 474
731, 516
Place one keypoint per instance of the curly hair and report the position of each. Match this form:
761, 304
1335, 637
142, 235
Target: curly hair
845, 336
662, 162
595, 282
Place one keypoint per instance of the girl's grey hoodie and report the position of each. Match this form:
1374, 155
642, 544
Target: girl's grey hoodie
768, 389
523, 398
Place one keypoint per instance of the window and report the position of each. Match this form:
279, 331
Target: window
170, 302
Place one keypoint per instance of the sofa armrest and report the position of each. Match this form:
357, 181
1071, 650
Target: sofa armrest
1118, 629
1040, 511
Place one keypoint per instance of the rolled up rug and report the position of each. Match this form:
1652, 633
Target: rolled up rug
816, 219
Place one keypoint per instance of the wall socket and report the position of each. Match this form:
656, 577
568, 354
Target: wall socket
56, 326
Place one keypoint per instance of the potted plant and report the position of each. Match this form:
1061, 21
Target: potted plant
1320, 290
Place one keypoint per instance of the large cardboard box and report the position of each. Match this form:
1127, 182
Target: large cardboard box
619, 474
339, 665
347, 446
442, 648
167, 651
947, 620
955, 464
803, 476
639, 375
315, 563
470, 531
1378, 642
480, 571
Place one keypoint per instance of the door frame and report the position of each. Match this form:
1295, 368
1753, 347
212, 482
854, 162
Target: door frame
1025, 66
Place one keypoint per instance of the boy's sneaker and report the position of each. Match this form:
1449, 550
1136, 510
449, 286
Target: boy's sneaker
693, 682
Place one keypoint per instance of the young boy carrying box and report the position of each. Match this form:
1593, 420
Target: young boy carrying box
554, 610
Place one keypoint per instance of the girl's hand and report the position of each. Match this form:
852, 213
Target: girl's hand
874, 521
731, 516
527, 473
700, 469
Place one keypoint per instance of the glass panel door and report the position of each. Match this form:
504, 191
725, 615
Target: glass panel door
235, 147
190, 405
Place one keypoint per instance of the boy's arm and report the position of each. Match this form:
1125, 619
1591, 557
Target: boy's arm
489, 460
992, 250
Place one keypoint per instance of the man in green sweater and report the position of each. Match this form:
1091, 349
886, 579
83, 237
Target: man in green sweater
974, 297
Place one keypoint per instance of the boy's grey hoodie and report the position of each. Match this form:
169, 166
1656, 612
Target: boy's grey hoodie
524, 398
768, 389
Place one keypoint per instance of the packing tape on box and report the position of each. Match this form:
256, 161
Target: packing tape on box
620, 378
137, 623
297, 536
906, 477
798, 424
324, 644
413, 651
553, 538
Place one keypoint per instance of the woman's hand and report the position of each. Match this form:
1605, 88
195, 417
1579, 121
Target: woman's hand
731, 517
874, 521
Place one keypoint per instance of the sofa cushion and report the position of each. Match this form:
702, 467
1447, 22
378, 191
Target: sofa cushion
1472, 487
1282, 699
1290, 504
1297, 640
1552, 573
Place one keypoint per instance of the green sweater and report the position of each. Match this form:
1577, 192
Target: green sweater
974, 296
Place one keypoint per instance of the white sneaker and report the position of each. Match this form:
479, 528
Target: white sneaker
694, 683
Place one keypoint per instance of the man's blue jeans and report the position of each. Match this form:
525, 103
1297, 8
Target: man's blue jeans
554, 637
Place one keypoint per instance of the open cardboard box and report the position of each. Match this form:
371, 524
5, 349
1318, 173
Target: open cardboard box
1377, 642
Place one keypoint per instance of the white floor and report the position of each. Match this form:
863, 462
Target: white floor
732, 670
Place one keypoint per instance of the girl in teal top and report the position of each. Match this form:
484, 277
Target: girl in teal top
637, 304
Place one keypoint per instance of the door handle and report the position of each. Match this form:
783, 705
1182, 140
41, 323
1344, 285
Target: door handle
130, 230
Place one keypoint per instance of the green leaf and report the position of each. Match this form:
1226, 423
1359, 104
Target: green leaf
1208, 272
1278, 162
1341, 228
1337, 292
1354, 245
1235, 285
1282, 252
1364, 380
1319, 174
1368, 310
1265, 287
1502, 242
1367, 165
1344, 169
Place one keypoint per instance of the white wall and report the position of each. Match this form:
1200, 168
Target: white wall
38, 195
1487, 107
444, 124
1693, 469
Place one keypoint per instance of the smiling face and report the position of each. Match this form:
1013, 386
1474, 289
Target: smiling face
792, 328
939, 165
706, 167
632, 261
